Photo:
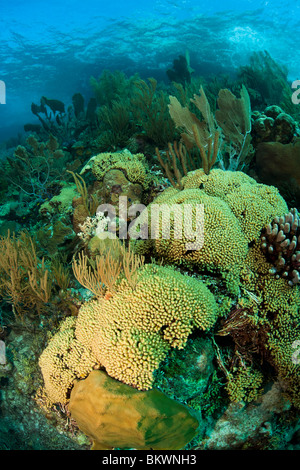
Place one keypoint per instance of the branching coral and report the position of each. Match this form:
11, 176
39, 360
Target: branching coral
245, 384
64, 360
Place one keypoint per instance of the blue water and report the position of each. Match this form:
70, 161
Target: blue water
52, 48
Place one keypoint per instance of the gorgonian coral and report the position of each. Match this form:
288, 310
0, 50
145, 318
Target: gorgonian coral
280, 241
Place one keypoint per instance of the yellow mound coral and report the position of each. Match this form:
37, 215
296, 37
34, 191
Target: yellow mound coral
236, 209
130, 333
224, 244
217, 183
133, 165
254, 206
64, 360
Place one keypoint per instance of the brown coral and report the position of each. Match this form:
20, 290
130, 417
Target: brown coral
280, 241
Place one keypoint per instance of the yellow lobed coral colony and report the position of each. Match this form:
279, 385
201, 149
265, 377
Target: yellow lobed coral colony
236, 208
134, 166
130, 333
276, 308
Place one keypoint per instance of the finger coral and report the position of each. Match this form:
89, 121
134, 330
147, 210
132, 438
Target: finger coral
280, 241
64, 360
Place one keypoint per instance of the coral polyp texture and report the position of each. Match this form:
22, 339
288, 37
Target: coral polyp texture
130, 333
235, 210
64, 360
280, 241
134, 166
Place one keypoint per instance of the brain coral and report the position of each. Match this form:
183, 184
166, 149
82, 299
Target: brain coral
130, 333
236, 209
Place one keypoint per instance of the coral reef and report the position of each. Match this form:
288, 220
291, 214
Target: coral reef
64, 360
273, 311
273, 125
133, 166
184, 333
252, 427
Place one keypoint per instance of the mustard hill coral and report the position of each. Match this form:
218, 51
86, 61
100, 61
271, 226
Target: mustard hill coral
64, 360
253, 204
134, 166
130, 333
275, 314
235, 210
220, 229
